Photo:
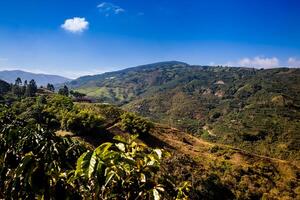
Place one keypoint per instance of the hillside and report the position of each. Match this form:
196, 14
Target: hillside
256, 110
41, 79
53, 147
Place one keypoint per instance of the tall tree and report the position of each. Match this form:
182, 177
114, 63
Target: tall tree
64, 91
50, 87
17, 87
23, 88
18, 81
31, 89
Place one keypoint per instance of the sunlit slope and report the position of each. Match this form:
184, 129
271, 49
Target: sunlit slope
253, 109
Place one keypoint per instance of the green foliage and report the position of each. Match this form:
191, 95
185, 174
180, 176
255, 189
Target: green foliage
36, 164
64, 91
77, 94
135, 124
82, 122
25, 90
236, 102
31, 89
50, 87
59, 103
4, 87
32, 160
123, 170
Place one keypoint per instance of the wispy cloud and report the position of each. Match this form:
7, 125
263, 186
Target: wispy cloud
75, 25
110, 9
293, 62
258, 61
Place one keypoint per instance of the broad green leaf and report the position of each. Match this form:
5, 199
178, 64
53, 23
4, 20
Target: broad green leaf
25, 161
79, 163
83, 163
92, 164
102, 149
120, 139
110, 175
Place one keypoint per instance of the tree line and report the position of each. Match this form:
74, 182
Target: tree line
29, 89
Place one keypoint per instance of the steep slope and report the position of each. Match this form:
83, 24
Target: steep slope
257, 110
125, 85
41, 79
217, 171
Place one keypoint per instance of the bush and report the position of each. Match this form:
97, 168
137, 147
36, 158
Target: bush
32, 160
125, 170
59, 102
83, 122
36, 164
135, 124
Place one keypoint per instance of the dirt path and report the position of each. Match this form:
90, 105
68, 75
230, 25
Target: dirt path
196, 147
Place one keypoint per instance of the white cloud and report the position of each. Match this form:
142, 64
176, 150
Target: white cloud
110, 9
75, 25
293, 62
259, 62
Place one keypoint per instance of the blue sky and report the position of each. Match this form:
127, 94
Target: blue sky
75, 38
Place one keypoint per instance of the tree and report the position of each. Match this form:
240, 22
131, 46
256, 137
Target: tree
18, 81
50, 87
17, 88
64, 91
77, 94
31, 89
4, 87
23, 88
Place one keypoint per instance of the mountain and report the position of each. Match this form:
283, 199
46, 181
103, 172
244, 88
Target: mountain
41, 79
253, 109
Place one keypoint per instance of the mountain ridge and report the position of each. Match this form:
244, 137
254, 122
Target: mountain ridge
40, 78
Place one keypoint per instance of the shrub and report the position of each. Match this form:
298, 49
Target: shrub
32, 160
135, 124
83, 122
124, 170
36, 164
59, 102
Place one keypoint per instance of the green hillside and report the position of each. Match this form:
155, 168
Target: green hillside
54, 148
253, 109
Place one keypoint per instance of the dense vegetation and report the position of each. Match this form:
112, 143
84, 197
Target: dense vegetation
254, 109
53, 148
36, 163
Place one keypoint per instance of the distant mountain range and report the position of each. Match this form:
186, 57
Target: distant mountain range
41, 79
253, 109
